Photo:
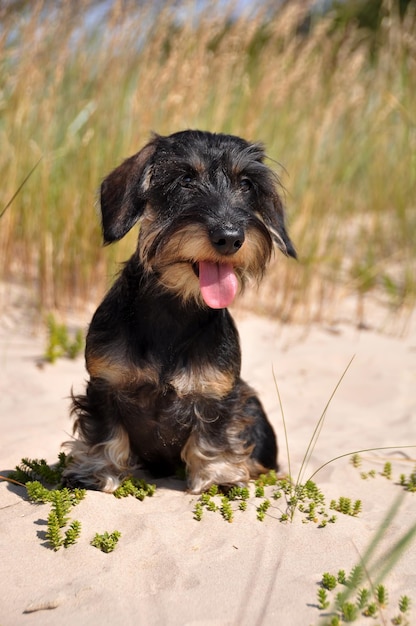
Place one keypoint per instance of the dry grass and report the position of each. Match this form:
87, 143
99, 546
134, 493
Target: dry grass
339, 119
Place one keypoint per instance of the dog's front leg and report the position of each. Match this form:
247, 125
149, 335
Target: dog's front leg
232, 441
213, 457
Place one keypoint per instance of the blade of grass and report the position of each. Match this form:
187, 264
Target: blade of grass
284, 423
20, 187
318, 428
336, 145
388, 559
341, 456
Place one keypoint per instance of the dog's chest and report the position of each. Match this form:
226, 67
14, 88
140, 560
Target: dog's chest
163, 352
198, 377
202, 379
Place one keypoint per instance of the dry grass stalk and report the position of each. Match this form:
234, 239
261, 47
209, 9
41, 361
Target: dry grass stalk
339, 119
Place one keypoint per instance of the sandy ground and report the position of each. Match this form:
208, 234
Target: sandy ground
169, 569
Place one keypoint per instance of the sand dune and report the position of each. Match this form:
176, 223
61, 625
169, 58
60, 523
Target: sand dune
169, 569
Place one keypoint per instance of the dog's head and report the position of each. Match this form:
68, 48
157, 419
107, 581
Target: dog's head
209, 210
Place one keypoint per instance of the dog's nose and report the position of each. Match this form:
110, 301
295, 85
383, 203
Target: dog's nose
227, 240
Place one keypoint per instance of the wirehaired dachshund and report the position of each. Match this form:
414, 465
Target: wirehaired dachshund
162, 350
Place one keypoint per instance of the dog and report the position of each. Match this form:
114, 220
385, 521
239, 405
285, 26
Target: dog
162, 351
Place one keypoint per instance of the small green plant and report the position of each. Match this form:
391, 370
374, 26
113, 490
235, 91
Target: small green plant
208, 502
311, 512
401, 618
106, 542
268, 480
39, 493
61, 500
54, 532
262, 509
341, 577
371, 474
235, 499
60, 343
357, 508
323, 602
72, 534
404, 604
39, 470
381, 595
409, 482
136, 487
307, 499
259, 493
355, 577
238, 493
356, 460
346, 506
34, 475
349, 612
370, 610
328, 581
355, 600
226, 509
198, 511
363, 598
387, 470
61, 505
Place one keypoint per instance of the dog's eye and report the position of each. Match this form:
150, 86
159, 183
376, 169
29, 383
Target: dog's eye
186, 181
245, 184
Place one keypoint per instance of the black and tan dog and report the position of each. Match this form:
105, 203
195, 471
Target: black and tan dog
162, 350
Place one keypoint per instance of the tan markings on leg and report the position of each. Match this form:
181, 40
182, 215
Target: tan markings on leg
117, 370
204, 380
208, 464
102, 466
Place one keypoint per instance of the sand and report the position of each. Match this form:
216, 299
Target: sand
168, 568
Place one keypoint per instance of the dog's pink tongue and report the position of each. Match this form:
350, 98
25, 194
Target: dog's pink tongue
218, 284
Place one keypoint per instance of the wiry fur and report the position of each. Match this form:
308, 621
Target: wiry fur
164, 367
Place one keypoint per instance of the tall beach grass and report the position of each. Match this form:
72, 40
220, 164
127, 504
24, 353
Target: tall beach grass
336, 112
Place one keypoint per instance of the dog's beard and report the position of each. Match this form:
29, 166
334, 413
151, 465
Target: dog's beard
186, 263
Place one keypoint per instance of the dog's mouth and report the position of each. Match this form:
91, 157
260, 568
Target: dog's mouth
217, 282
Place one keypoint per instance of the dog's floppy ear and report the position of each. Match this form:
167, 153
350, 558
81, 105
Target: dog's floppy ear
277, 226
123, 194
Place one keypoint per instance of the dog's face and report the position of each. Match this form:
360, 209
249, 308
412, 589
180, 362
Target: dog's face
209, 210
